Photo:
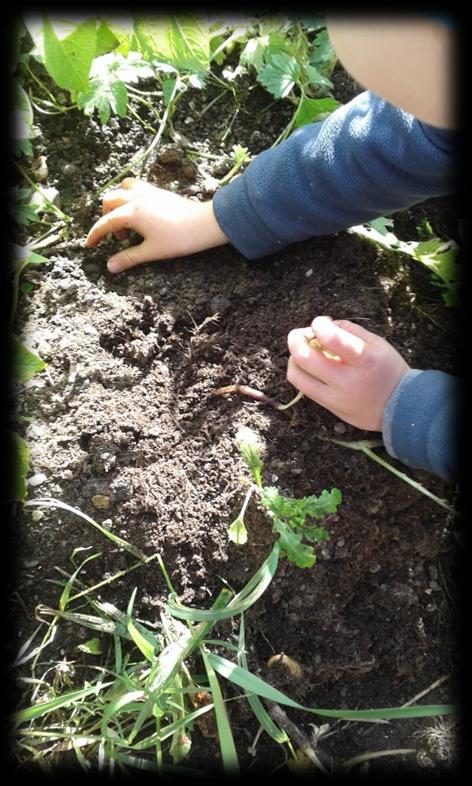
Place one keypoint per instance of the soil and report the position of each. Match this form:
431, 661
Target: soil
126, 416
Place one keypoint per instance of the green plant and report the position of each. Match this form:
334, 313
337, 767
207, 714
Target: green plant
291, 518
440, 257
138, 707
294, 59
25, 364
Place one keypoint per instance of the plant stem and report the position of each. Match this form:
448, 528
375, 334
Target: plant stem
376, 755
293, 401
229, 127
141, 159
34, 185
42, 86
365, 446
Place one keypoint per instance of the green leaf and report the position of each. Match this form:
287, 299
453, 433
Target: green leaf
22, 147
144, 644
91, 647
316, 79
225, 735
68, 61
249, 682
253, 53
181, 41
38, 710
300, 554
382, 224
311, 109
168, 90
106, 95
237, 531
106, 40
324, 56
23, 214
25, 363
19, 462
279, 75
250, 593
289, 521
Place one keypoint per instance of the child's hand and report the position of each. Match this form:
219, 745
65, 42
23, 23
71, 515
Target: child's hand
356, 383
171, 225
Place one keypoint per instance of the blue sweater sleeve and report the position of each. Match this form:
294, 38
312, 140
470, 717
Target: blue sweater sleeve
422, 422
366, 160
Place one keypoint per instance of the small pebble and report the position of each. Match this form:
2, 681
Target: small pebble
39, 168
100, 501
37, 479
69, 169
340, 428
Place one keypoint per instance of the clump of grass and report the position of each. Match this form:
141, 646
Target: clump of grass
138, 707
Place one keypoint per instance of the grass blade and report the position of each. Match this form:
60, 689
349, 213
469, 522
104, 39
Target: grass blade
47, 502
244, 679
225, 735
38, 710
251, 592
277, 734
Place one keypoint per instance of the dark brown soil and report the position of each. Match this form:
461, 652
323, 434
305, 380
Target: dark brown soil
127, 410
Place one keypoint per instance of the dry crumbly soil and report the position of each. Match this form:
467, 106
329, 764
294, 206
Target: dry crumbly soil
127, 412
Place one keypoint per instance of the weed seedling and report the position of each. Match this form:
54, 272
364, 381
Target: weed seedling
291, 517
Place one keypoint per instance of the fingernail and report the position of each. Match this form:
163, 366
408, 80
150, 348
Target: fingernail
113, 266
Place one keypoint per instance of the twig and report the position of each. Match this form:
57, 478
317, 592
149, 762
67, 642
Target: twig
427, 690
279, 716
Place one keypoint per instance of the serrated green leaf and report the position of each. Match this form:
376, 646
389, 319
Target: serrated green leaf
253, 53
105, 94
68, 61
324, 56
299, 553
22, 147
25, 363
316, 78
181, 41
289, 521
19, 454
24, 214
311, 109
279, 75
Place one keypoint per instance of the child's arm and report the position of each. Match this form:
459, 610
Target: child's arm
368, 384
366, 160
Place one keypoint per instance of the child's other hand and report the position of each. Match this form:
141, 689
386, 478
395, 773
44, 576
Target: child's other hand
171, 225
356, 383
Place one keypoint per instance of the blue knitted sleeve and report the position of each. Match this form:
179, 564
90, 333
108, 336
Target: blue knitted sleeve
422, 422
366, 160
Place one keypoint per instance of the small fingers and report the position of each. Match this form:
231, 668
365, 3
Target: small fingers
342, 338
326, 368
130, 257
116, 198
130, 188
115, 221
310, 386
